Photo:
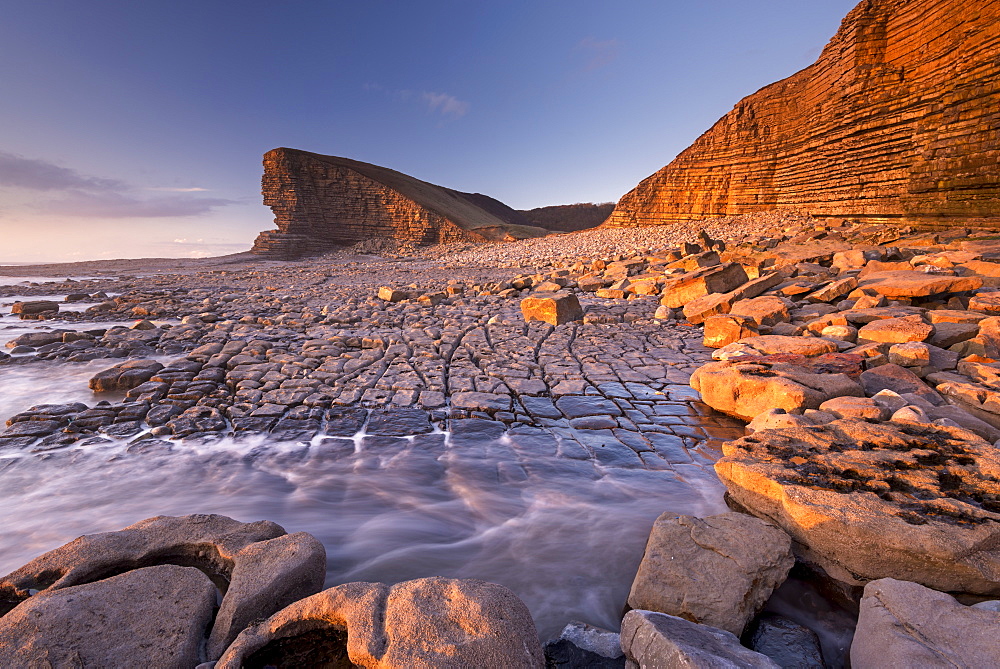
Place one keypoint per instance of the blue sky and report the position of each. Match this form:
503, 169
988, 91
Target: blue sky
131, 129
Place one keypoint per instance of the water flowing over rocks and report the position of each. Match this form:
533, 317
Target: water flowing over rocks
416, 379
894, 121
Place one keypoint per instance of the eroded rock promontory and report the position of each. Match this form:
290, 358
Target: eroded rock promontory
322, 203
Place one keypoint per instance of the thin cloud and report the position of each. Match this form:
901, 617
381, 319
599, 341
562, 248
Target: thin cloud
20, 172
439, 103
80, 195
446, 105
598, 53
117, 205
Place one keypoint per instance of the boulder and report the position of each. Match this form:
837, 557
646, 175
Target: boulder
896, 284
897, 379
988, 303
904, 624
789, 644
833, 291
124, 376
726, 329
767, 310
779, 344
35, 339
864, 501
390, 294
862, 408
679, 291
910, 354
148, 617
701, 308
265, 567
897, 330
653, 639
554, 309
33, 307
266, 577
746, 387
426, 623
742, 558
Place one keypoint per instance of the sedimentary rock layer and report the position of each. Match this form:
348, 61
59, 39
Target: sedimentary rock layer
322, 203
899, 119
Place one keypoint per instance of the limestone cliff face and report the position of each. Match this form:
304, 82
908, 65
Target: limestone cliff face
898, 120
322, 203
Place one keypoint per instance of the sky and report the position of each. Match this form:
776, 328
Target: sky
135, 129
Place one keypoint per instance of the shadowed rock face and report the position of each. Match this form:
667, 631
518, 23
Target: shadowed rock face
897, 120
322, 203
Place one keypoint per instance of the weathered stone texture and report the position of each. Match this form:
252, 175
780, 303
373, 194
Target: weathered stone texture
322, 203
899, 119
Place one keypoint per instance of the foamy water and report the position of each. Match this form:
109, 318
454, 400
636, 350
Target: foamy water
15, 280
564, 535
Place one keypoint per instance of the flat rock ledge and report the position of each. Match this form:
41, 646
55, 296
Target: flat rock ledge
864, 501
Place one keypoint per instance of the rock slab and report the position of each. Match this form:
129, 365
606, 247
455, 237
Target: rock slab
903, 624
149, 617
742, 558
653, 639
426, 623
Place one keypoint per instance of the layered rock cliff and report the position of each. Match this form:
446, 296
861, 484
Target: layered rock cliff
898, 120
322, 203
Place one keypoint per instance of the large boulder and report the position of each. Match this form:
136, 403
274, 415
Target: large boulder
266, 577
784, 345
903, 624
717, 571
681, 290
652, 639
864, 501
124, 375
905, 284
265, 568
767, 310
897, 330
426, 623
149, 617
554, 308
749, 386
34, 307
